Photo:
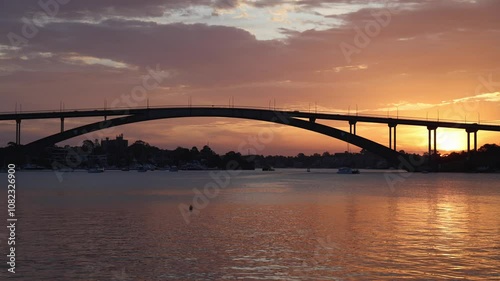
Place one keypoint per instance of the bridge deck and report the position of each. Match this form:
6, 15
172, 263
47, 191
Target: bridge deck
214, 111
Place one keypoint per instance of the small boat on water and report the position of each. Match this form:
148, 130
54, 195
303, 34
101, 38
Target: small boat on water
32, 167
95, 170
347, 170
267, 168
483, 169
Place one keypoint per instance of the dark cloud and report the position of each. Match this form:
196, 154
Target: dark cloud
96, 8
204, 55
198, 49
101, 9
226, 4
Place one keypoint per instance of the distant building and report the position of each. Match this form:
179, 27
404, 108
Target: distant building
116, 150
118, 144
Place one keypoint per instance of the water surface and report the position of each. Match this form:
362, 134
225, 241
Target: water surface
282, 225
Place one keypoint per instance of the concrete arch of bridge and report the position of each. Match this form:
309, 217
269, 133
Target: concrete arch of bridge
393, 157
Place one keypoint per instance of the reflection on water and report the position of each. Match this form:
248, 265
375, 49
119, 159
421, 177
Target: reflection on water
285, 225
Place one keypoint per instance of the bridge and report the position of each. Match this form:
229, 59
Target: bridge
299, 119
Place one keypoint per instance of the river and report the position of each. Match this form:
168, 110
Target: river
254, 225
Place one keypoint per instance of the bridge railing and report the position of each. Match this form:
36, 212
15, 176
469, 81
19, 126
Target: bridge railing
293, 109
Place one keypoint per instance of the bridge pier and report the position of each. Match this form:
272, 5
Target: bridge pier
352, 126
475, 140
430, 129
62, 124
392, 143
18, 131
469, 131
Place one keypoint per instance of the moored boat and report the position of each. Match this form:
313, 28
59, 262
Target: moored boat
267, 168
142, 169
95, 170
347, 170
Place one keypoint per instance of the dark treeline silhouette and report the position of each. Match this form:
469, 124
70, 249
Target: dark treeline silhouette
485, 159
118, 154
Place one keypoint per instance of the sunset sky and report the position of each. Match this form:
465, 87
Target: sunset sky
399, 58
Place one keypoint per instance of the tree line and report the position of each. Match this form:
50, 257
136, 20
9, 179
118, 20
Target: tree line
487, 158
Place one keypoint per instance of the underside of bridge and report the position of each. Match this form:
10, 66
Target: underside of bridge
393, 157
